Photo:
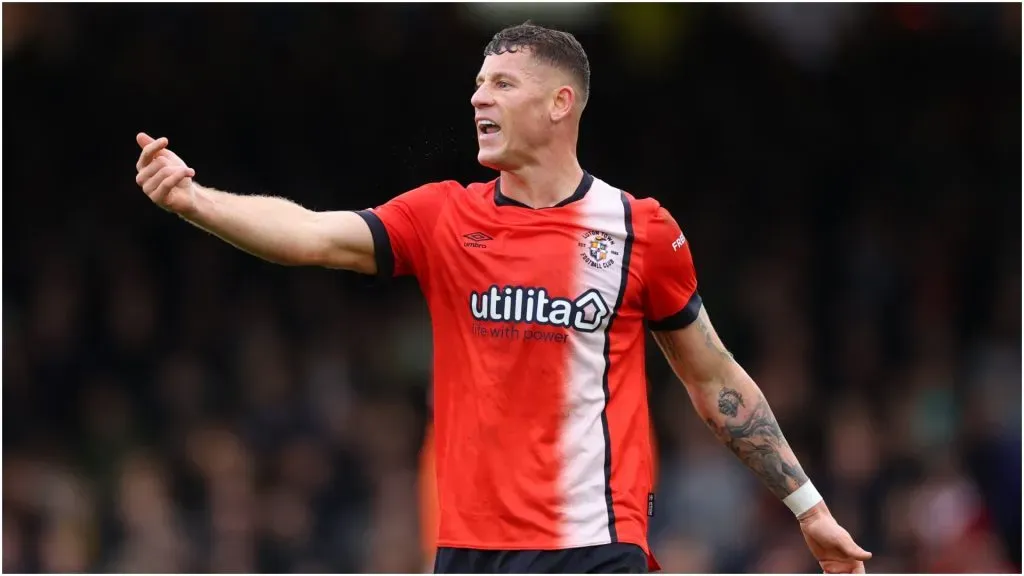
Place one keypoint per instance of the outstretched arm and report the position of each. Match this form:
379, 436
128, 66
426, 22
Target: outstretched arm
274, 229
733, 406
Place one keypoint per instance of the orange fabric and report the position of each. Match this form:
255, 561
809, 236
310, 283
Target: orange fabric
429, 514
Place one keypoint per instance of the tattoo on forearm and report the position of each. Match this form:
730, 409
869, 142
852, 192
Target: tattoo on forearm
729, 402
667, 346
754, 436
671, 351
709, 337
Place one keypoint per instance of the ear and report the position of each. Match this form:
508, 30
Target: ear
562, 103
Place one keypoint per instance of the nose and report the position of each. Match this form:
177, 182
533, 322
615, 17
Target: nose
481, 98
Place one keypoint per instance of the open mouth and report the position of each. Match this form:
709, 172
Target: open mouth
485, 127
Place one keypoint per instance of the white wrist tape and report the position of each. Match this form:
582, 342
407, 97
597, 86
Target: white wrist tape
803, 498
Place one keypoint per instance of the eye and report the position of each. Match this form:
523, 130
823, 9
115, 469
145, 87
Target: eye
502, 84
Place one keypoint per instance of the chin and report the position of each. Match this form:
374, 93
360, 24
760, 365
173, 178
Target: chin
493, 159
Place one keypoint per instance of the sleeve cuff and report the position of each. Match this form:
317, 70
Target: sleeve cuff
680, 319
382, 252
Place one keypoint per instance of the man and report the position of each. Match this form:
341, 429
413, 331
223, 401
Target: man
538, 284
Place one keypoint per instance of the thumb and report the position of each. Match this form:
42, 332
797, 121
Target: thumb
143, 139
851, 549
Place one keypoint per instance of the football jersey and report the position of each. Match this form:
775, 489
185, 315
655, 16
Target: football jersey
542, 436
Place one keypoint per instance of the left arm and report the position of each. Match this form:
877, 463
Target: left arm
737, 412
725, 396
731, 404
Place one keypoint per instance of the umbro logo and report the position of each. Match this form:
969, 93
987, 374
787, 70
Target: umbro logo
476, 239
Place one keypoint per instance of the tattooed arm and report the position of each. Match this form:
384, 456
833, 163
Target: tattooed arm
731, 404
725, 396
736, 411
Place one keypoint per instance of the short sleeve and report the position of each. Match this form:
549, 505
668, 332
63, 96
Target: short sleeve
401, 229
671, 300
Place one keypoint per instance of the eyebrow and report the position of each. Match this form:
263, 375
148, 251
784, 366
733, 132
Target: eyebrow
497, 76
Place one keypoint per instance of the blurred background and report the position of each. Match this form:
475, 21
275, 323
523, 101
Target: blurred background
848, 176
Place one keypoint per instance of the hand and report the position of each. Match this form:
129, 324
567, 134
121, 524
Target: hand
833, 546
163, 176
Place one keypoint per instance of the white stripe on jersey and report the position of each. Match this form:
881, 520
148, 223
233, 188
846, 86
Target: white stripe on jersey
582, 480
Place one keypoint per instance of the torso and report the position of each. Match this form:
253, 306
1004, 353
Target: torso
542, 430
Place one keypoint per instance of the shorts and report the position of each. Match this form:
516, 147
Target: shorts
617, 558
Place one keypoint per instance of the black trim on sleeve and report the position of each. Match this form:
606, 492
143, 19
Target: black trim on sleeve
680, 319
381, 244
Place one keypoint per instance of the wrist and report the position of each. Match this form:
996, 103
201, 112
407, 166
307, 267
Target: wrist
804, 501
199, 205
819, 509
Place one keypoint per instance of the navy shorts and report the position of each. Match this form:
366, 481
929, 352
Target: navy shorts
618, 558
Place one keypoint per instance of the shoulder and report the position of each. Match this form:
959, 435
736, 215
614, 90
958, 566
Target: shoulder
643, 208
651, 220
455, 190
479, 190
648, 218
432, 195
441, 188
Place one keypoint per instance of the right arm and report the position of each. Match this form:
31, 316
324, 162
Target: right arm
282, 232
274, 229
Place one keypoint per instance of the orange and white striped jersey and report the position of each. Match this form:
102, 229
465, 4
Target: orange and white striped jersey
542, 436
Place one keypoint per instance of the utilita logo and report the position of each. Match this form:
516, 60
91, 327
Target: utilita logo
476, 240
534, 306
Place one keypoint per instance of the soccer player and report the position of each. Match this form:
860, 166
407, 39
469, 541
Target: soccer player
539, 284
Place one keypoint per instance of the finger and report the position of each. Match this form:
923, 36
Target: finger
149, 151
148, 172
851, 549
150, 186
171, 181
152, 148
859, 568
166, 153
143, 139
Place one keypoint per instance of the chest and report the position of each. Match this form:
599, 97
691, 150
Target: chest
533, 250
516, 266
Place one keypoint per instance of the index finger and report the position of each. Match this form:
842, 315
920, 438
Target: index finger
149, 151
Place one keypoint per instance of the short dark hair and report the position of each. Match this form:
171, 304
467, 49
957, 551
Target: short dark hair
554, 47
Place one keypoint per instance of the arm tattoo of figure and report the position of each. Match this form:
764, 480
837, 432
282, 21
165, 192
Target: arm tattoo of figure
753, 434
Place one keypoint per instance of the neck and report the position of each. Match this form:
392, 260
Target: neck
542, 185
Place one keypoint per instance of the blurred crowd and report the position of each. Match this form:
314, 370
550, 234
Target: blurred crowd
848, 178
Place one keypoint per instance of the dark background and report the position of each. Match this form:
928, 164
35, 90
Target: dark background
848, 176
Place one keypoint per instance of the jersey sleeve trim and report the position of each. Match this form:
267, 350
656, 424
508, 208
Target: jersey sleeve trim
382, 251
680, 319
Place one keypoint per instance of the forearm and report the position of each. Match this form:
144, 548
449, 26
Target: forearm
732, 405
273, 229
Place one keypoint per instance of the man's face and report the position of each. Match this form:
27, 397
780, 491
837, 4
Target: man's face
513, 109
